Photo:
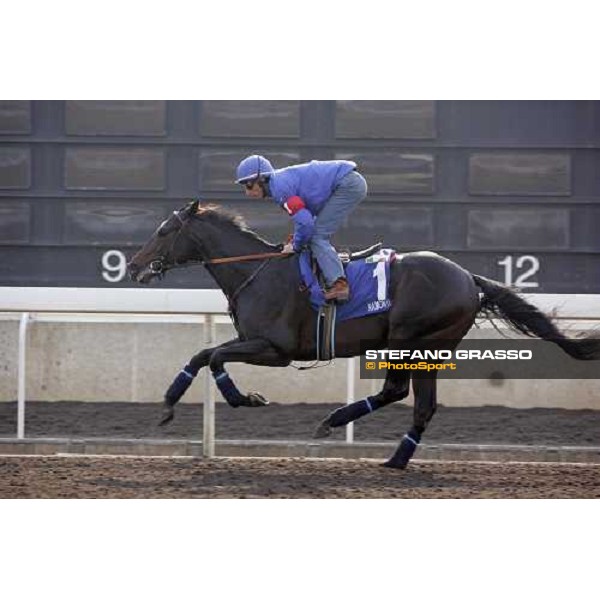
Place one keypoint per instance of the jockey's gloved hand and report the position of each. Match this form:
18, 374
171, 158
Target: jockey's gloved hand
287, 242
288, 248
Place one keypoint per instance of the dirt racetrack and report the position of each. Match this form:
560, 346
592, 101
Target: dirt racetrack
188, 477
130, 477
450, 425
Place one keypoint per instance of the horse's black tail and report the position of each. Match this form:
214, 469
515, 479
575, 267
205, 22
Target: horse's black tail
529, 320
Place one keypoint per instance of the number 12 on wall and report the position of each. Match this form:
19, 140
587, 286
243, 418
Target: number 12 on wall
529, 263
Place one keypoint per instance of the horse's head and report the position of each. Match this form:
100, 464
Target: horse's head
169, 246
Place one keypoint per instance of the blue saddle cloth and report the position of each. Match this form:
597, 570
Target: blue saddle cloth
368, 279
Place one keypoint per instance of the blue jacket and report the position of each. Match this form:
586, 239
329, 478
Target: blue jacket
313, 183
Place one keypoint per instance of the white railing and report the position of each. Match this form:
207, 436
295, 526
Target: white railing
73, 305
103, 305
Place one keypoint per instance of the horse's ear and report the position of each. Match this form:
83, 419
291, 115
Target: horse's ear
192, 207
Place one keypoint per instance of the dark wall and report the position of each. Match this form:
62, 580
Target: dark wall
510, 190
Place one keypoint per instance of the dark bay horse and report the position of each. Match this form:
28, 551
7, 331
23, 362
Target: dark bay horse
432, 298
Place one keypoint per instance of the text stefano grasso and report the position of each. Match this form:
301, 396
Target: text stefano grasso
498, 354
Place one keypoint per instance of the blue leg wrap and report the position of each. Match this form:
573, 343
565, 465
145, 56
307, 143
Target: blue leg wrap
405, 450
346, 414
179, 386
412, 437
228, 389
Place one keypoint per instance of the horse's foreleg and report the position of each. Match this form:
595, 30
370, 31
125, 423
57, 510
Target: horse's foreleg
255, 352
184, 379
424, 389
395, 388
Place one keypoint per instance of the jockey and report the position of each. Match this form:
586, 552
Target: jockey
318, 196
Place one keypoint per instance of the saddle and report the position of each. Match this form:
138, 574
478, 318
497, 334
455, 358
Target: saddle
347, 257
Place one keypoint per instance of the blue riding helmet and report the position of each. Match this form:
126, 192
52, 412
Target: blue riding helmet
253, 167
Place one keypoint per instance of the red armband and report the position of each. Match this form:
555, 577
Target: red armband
293, 205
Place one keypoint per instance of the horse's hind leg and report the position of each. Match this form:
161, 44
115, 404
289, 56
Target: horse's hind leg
395, 388
425, 391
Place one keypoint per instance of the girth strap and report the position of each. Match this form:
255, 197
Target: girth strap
325, 341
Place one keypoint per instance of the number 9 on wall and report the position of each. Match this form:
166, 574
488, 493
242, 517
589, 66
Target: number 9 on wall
114, 266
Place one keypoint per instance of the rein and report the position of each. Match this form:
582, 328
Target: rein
160, 266
265, 257
246, 257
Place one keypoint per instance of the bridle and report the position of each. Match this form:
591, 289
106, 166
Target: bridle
159, 266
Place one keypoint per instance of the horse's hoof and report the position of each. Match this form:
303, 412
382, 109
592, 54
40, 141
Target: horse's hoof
168, 414
256, 399
323, 430
394, 465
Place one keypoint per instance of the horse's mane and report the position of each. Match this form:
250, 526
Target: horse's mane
222, 217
